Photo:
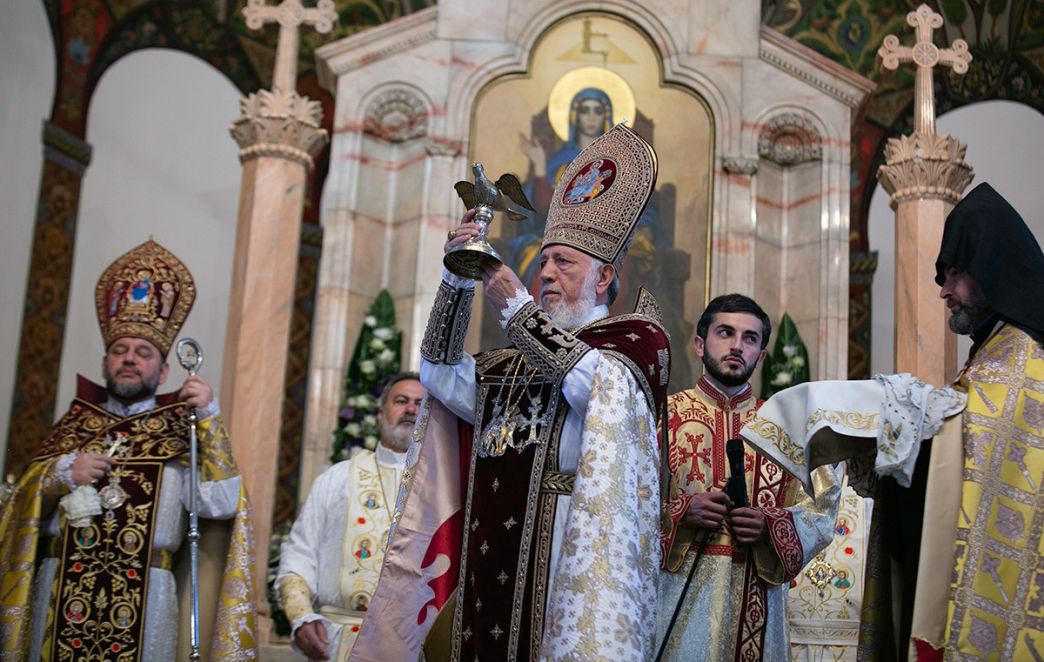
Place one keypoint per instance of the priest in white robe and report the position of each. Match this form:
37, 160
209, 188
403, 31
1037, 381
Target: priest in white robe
330, 563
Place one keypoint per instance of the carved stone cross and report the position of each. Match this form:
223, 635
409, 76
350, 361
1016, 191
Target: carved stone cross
290, 14
925, 54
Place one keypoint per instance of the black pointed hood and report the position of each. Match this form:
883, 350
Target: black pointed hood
986, 237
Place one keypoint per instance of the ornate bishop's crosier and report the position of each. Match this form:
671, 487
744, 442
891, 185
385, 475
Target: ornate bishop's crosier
469, 259
190, 356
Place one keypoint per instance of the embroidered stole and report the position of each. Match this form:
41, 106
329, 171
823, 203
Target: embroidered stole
367, 521
99, 596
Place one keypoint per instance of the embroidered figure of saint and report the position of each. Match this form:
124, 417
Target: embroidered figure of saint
166, 300
364, 549
114, 297
140, 294
75, 611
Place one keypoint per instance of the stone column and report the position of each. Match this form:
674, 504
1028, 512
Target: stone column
278, 134
925, 175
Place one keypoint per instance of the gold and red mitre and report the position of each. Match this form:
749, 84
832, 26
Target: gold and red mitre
601, 194
145, 293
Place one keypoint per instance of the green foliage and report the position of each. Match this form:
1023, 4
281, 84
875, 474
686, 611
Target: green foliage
787, 364
377, 357
954, 10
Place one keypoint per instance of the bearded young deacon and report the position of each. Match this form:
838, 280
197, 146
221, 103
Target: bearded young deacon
745, 555
530, 510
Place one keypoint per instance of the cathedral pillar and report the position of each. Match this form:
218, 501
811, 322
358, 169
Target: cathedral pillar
278, 134
66, 157
925, 175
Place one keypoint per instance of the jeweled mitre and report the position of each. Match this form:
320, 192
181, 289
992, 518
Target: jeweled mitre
601, 195
145, 293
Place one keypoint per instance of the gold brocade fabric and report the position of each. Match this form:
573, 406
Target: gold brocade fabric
19, 539
233, 636
996, 611
36, 496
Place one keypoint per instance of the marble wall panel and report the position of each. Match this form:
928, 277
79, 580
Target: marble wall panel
805, 204
768, 284
367, 255
410, 169
770, 201
403, 259
724, 28
803, 291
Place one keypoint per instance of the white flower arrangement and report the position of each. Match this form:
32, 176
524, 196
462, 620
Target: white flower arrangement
782, 378
376, 357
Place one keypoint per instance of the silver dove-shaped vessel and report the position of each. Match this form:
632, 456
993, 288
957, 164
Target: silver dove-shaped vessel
495, 195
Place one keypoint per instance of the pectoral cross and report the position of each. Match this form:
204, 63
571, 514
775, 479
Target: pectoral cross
534, 420
113, 440
290, 14
925, 55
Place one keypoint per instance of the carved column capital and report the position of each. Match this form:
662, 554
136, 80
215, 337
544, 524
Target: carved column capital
924, 165
790, 139
279, 124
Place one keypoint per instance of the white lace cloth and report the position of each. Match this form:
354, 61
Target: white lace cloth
809, 425
910, 411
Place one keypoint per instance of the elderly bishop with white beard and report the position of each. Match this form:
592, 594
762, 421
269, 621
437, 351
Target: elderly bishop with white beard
530, 512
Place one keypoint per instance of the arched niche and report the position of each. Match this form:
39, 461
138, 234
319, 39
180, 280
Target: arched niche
529, 124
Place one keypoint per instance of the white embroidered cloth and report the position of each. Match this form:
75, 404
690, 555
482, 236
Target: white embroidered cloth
879, 423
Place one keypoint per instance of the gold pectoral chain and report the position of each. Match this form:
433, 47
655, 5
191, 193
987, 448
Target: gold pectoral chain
506, 417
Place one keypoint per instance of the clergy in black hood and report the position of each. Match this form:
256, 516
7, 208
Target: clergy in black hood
986, 239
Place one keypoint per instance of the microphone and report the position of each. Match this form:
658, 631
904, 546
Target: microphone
736, 488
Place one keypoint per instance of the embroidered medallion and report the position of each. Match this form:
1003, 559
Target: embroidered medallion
591, 181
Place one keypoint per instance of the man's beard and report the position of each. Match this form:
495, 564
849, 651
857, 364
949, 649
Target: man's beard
399, 435
729, 379
129, 391
572, 315
970, 315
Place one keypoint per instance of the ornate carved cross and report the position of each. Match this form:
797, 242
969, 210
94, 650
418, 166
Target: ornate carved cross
925, 54
290, 14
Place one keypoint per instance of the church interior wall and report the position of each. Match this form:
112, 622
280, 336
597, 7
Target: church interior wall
1004, 142
163, 168
27, 79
